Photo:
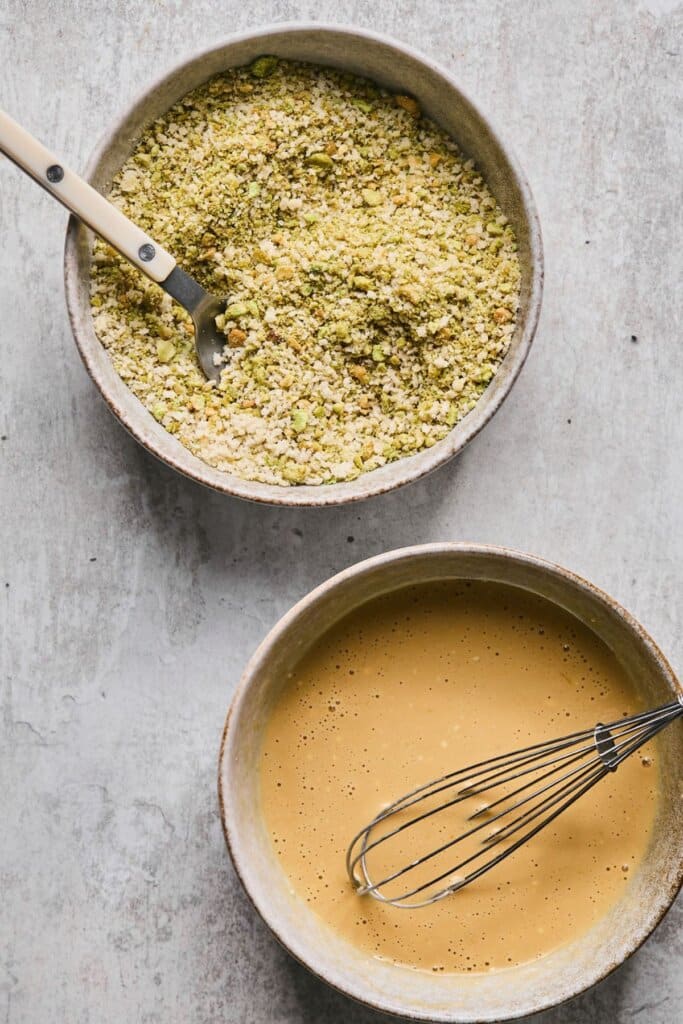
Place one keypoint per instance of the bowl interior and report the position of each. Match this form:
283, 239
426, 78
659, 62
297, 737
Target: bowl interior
399, 69
502, 995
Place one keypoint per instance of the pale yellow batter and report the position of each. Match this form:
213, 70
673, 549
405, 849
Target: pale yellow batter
419, 683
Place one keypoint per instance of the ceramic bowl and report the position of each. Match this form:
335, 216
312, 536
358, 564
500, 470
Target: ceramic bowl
498, 996
393, 65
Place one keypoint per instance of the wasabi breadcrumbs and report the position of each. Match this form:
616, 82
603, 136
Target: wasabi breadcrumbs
371, 280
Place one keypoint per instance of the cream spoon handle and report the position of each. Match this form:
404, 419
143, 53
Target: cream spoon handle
83, 201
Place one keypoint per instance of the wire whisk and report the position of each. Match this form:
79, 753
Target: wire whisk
524, 791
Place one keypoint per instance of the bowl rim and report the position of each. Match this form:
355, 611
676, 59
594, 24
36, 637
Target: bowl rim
285, 622
405, 470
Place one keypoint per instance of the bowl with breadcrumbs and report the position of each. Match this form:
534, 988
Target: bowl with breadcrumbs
375, 244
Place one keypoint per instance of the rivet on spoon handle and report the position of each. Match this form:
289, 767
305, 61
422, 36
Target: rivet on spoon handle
132, 242
82, 199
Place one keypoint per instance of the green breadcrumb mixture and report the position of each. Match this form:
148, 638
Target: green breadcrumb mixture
371, 279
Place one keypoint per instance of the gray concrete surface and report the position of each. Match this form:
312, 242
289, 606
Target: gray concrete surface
131, 598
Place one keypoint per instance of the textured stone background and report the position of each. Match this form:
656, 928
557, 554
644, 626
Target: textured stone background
131, 598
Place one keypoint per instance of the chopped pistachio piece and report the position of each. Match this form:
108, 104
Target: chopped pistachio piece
264, 66
165, 350
299, 420
236, 310
371, 197
361, 282
321, 160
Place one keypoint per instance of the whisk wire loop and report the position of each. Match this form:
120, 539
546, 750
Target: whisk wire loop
546, 779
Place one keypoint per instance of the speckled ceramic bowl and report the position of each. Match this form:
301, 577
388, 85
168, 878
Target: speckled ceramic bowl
397, 67
426, 996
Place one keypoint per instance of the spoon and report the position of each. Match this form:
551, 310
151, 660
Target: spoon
115, 228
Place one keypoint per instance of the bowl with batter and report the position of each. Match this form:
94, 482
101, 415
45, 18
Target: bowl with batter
399, 670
